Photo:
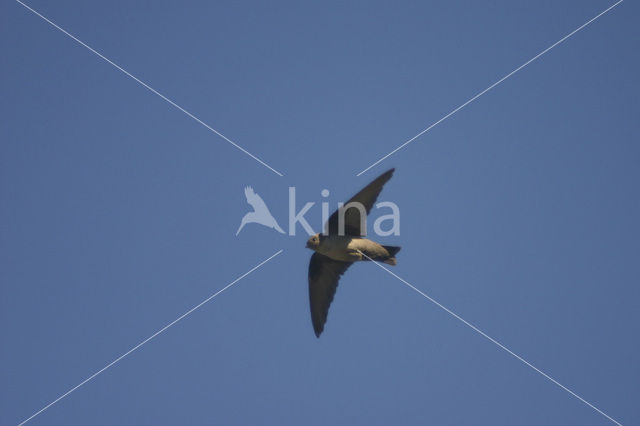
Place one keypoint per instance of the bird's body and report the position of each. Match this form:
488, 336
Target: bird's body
347, 248
340, 246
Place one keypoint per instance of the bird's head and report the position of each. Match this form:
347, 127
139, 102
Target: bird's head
314, 242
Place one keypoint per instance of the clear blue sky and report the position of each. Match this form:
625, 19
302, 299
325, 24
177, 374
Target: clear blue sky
119, 212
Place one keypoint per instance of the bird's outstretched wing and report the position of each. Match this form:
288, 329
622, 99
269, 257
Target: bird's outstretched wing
367, 197
255, 200
324, 274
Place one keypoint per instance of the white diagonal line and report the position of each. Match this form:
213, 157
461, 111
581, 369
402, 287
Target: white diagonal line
491, 87
491, 339
148, 338
145, 85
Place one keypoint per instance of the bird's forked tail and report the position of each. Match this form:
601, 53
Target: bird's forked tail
391, 260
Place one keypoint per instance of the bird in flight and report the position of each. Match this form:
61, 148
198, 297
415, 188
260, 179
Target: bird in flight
340, 246
260, 213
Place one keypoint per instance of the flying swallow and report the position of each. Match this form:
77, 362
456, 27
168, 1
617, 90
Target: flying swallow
336, 249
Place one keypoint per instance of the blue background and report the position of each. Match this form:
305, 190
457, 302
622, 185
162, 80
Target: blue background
119, 212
